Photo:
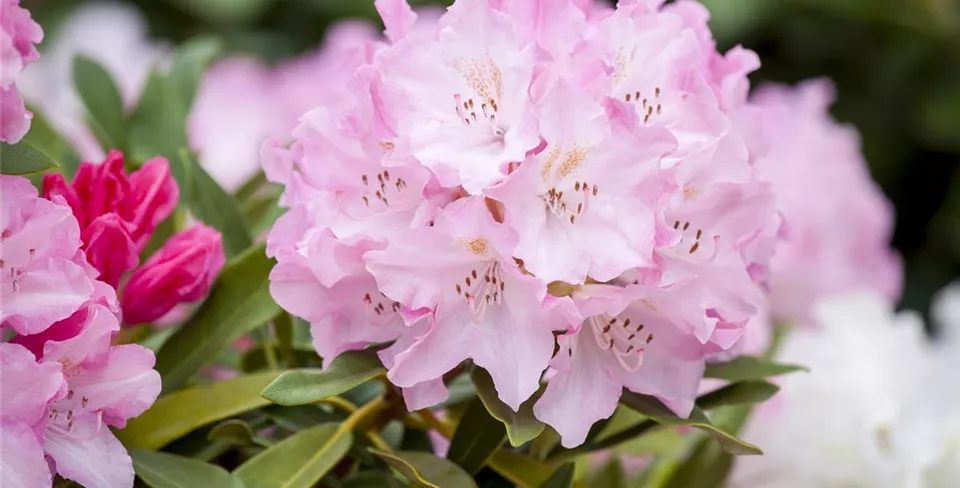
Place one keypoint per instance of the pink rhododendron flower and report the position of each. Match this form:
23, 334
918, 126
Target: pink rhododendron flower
530, 186
42, 272
18, 35
99, 385
825, 250
182, 270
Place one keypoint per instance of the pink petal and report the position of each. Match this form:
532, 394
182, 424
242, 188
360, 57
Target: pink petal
123, 387
110, 248
22, 463
100, 461
49, 290
27, 387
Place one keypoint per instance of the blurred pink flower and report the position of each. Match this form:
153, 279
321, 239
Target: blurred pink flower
182, 270
840, 240
18, 36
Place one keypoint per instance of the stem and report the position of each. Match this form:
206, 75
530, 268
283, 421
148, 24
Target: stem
436, 424
342, 403
362, 414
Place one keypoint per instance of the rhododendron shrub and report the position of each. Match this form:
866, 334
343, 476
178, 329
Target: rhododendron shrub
492, 188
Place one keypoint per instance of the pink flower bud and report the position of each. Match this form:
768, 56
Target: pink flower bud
109, 248
154, 196
180, 271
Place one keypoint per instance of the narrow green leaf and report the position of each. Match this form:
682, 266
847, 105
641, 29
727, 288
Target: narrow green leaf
176, 414
239, 303
303, 386
522, 426
706, 466
157, 127
215, 207
745, 368
477, 437
427, 470
562, 477
23, 159
103, 102
657, 411
299, 461
744, 392
163, 470
189, 63
301, 417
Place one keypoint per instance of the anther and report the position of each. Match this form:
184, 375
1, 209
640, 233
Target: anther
694, 247
686, 226
649, 338
473, 273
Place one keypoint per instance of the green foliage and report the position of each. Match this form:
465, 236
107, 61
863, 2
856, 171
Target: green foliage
162, 470
23, 159
746, 368
300, 387
477, 437
103, 102
427, 470
521, 425
299, 461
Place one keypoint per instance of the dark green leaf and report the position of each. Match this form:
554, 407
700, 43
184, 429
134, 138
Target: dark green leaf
224, 11
520, 469
562, 477
610, 476
416, 440
371, 479
215, 207
744, 392
23, 159
255, 359
707, 466
239, 303
298, 461
176, 414
189, 64
163, 470
304, 386
746, 368
103, 101
657, 411
283, 327
477, 437
427, 470
235, 432
301, 417
521, 426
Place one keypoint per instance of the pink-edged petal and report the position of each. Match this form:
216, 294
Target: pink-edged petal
100, 461
583, 394
22, 463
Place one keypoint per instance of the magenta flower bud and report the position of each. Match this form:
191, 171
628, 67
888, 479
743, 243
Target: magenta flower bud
180, 271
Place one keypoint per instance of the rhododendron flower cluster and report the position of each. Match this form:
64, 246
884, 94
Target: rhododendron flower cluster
531, 186
18, 36
64, 383
118, 214
800, 149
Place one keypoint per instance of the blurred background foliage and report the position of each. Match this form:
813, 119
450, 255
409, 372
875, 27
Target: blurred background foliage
896, 64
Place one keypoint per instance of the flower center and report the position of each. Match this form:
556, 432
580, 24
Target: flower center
68, 416
692, 239
483, 289
381, 188
623, 338
485, 79
649, 107
16, 273
377, 312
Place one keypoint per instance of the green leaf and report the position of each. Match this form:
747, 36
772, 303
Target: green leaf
234, 432
746, 368
176, 414
426, 469
48, 141
189, 63
255, 359
477, 437
163, 470
658, 412
522, 470
299, 461
23, 159
562, 477
303, 386
301, 417
215, 207
239, 303
103, 101
744, 392
225, 11
522, 426
706, 466
158, 128
371, 479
